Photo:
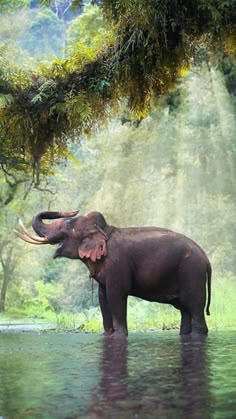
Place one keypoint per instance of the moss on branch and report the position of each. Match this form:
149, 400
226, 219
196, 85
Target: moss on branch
151, 43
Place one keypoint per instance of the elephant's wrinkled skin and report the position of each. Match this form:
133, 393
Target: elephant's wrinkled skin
152, 263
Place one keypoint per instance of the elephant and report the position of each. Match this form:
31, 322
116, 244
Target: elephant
152, 263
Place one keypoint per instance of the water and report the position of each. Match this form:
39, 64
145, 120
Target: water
149, 375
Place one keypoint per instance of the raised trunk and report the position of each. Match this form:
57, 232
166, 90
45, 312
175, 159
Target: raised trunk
43, 230
51, 231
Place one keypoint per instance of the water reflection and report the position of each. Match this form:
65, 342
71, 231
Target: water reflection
113, 386
194, 376
148, 375
152, 378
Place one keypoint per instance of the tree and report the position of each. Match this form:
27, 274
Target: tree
8, 260
150, 43
6, 6
17, 194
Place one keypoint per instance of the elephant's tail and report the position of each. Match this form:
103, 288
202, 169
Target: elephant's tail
209, 271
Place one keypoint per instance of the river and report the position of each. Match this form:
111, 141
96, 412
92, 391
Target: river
148, 375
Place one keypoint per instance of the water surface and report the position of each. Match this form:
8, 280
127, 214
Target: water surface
149, 375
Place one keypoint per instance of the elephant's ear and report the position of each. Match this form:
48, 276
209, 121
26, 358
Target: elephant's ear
93, 247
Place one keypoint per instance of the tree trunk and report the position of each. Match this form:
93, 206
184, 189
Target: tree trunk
3, 294
7, 267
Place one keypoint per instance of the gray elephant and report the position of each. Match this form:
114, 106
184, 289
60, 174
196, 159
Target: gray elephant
152, 263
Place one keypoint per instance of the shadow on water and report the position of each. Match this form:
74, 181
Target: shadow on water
148, 375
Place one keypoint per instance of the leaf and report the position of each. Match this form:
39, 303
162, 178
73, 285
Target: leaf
6, 100
37, 98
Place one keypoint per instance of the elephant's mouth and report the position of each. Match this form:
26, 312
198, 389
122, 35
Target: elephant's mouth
58, 251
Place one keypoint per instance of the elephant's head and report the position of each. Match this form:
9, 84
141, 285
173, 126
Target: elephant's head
78, 237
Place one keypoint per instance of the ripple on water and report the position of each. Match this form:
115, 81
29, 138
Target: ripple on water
156, 374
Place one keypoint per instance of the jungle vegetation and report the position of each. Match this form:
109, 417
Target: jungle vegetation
137, 53
127, 107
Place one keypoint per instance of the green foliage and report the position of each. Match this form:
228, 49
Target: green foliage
137, 54
67, 321
89, 29
45, 91
31, 134
20, 19
46, 298
13, 74
6, 5
85, 320
223, 313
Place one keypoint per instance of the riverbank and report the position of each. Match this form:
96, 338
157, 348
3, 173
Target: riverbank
142, 315
27, 327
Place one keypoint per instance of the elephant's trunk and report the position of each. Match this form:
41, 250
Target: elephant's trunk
51, 231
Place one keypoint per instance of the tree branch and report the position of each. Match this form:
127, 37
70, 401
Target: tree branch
13, 184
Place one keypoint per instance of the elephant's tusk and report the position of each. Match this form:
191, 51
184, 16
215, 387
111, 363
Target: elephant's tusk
27, 239
69, 214
43, 240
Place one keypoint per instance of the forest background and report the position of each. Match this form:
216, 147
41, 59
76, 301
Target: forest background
109, 106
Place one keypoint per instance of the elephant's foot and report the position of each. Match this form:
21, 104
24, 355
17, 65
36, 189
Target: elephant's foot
120, 332
120, 328
108, 332
199, 327
184, 332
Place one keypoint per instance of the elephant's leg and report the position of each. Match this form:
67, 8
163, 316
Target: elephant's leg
197, 308
119, 315
193, 292
118, 306
106, 313
186, 322
199, 325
